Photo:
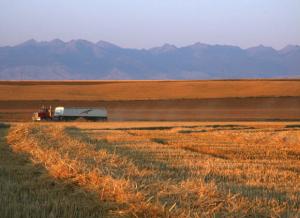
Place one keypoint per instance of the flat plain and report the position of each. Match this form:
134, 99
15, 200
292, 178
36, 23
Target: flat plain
156, 169
170, 149
218, 100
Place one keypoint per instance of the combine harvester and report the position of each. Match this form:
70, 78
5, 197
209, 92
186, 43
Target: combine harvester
68, 114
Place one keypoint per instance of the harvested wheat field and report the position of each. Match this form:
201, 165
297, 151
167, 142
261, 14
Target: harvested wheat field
158, 169
215, 100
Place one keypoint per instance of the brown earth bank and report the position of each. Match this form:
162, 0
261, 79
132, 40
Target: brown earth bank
146, 90
219, 109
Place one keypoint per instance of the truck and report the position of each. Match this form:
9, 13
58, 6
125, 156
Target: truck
70, 113
45, 113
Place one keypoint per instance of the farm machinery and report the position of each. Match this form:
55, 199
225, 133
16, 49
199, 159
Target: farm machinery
67, 114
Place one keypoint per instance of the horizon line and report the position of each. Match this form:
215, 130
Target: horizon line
158, 46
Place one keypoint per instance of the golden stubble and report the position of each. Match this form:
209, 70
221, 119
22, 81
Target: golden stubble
180, 171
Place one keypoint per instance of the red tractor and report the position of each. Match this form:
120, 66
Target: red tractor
45, 113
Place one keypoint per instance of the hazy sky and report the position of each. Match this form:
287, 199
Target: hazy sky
148, 23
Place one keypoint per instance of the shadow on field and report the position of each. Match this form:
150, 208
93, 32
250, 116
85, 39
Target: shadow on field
292, 126
232, 184
190, 129
142, 160
26, 190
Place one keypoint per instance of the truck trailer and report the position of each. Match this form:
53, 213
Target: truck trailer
64, 113
70, 113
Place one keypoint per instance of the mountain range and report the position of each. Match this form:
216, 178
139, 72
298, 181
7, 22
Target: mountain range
81, 59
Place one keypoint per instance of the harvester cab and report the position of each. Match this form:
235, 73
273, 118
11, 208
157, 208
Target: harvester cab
45, 113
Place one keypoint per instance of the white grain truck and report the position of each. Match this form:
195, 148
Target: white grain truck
63, 113
68, 113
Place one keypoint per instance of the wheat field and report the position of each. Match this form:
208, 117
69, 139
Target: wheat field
169, 169
146, 90
202, 100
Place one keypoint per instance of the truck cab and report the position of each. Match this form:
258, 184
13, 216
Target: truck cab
58, 113
45, 113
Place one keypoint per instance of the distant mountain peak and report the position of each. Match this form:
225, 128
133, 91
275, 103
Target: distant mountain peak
104, 44
29, 42
169, 46
261, 48
57, 41
82, 59
199, 45
164, 48
290, 48
80, 41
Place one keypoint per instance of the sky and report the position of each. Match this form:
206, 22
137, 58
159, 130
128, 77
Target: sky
150, 23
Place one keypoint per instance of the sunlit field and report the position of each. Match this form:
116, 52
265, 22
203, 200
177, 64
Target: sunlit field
163, 169
182, 100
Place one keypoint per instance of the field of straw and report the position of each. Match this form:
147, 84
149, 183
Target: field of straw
146, 90
154, 169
